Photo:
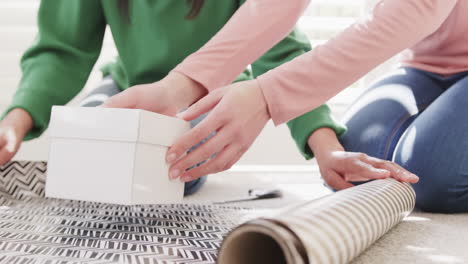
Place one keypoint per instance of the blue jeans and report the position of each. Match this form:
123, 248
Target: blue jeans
109, 88
419, 120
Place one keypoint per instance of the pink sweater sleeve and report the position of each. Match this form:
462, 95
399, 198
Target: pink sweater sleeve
255, 27
310, 80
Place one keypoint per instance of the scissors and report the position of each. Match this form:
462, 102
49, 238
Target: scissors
256, 194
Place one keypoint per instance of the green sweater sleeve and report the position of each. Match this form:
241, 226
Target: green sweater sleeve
303, 126
293, 45
56, 67
296, 44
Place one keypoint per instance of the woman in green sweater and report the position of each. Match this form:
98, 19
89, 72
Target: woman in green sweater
151, 37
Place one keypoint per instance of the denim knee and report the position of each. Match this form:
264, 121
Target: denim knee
436, 190
435, 198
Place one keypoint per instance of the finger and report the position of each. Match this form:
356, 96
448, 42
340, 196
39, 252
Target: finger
405, 175
356, 178
5, 156
219, 163
234, 160
401, 174
359, 170
195, 135
337, 182
3, 141
202, 153
125, 99
204, 105
396, 171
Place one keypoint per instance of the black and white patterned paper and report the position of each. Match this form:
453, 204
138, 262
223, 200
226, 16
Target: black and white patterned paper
34, 229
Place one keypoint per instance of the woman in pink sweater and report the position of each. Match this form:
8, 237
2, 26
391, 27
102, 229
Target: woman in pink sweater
416, 114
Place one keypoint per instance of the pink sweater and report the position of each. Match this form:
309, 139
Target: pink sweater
434, 32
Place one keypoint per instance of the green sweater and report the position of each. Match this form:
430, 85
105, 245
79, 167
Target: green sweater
302, 127
57, 65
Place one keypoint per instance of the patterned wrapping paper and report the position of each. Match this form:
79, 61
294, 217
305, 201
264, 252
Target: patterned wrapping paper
34, 229
333, 229
22, 180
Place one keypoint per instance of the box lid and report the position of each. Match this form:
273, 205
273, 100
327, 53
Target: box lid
115, 124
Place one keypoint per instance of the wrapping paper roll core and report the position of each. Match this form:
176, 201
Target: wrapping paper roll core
329, 230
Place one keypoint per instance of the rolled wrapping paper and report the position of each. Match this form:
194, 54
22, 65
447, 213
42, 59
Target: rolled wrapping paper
332, 229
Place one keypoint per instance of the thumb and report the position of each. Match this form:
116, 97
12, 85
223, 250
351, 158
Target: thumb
125, 99
204, 105
3, 140
337, 182
11, 142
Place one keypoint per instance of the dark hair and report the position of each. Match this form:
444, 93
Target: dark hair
196, 6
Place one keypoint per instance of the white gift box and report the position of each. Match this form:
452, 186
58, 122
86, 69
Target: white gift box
112, 155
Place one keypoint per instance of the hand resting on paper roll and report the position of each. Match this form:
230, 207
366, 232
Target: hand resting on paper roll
238, 115
339, 167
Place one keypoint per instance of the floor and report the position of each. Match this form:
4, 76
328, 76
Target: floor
420, 238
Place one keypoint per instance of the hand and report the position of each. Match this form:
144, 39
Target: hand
238, 116
168, 96
339, 167
13, 128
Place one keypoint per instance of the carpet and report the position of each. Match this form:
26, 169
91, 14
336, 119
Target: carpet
420, 238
